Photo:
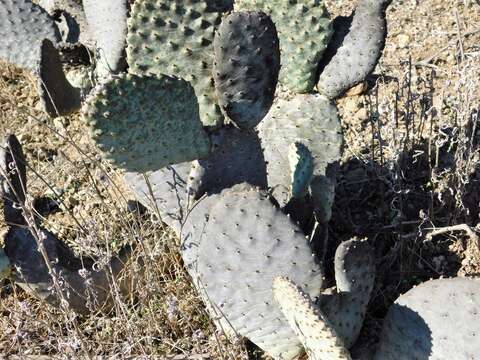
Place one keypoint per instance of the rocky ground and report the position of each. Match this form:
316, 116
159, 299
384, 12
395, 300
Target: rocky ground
409, 170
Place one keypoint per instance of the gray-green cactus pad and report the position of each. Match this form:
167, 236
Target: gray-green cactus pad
312, 327
176, 38
304, 31
13, 179
439, 319
236, 158
146, 123
308, 119
301, 168
360, 50
247, 243
107, 22
247, 62
163, 191
23, 27
355, 277
58, 96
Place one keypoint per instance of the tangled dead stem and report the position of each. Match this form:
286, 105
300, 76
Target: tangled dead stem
408, 181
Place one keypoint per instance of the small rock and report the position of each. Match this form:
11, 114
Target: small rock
403, 41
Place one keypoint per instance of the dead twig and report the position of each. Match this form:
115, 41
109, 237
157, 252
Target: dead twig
471, 233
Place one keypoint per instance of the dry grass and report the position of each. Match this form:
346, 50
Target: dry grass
410, 166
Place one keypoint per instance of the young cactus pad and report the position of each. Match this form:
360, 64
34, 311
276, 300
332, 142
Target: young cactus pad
247, 243
304, 31
360, 50
145, 123
309, 119
247, 62
23, 27
176, 38
301, 168
312, 327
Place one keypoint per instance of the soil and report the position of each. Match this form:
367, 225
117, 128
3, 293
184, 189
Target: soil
410, 166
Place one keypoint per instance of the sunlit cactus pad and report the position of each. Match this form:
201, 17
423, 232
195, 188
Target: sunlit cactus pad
176, 38
145, 123
304, 31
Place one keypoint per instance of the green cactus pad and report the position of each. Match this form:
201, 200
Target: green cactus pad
163, 192
309, 119
311, 326
107, 22
23, 27
247, 62
355, 277
176, 38
236, 158
304, 31
301, 168
439, 319
360, 50
57, 95
247, 243
144, 123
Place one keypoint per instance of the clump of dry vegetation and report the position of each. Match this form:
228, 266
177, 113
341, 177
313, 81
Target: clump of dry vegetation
409, 181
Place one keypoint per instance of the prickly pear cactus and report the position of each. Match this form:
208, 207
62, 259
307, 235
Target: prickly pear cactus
107, 22
236, 158
176, 38
308, 119
142, 123
247, 62
425, 322
301, 168
20, 44
360, 50
310, 324
164, 191
302, 42
355, 277
246, 242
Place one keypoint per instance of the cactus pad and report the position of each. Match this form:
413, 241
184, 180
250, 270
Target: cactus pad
312, 327
360, 50
304, 31
176, 38
309, 119
439, 319
164, 192
20, 44
143, 123
247, 62
236, 157
250, 242
355, 277
58, 96
301, 168
107, 22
